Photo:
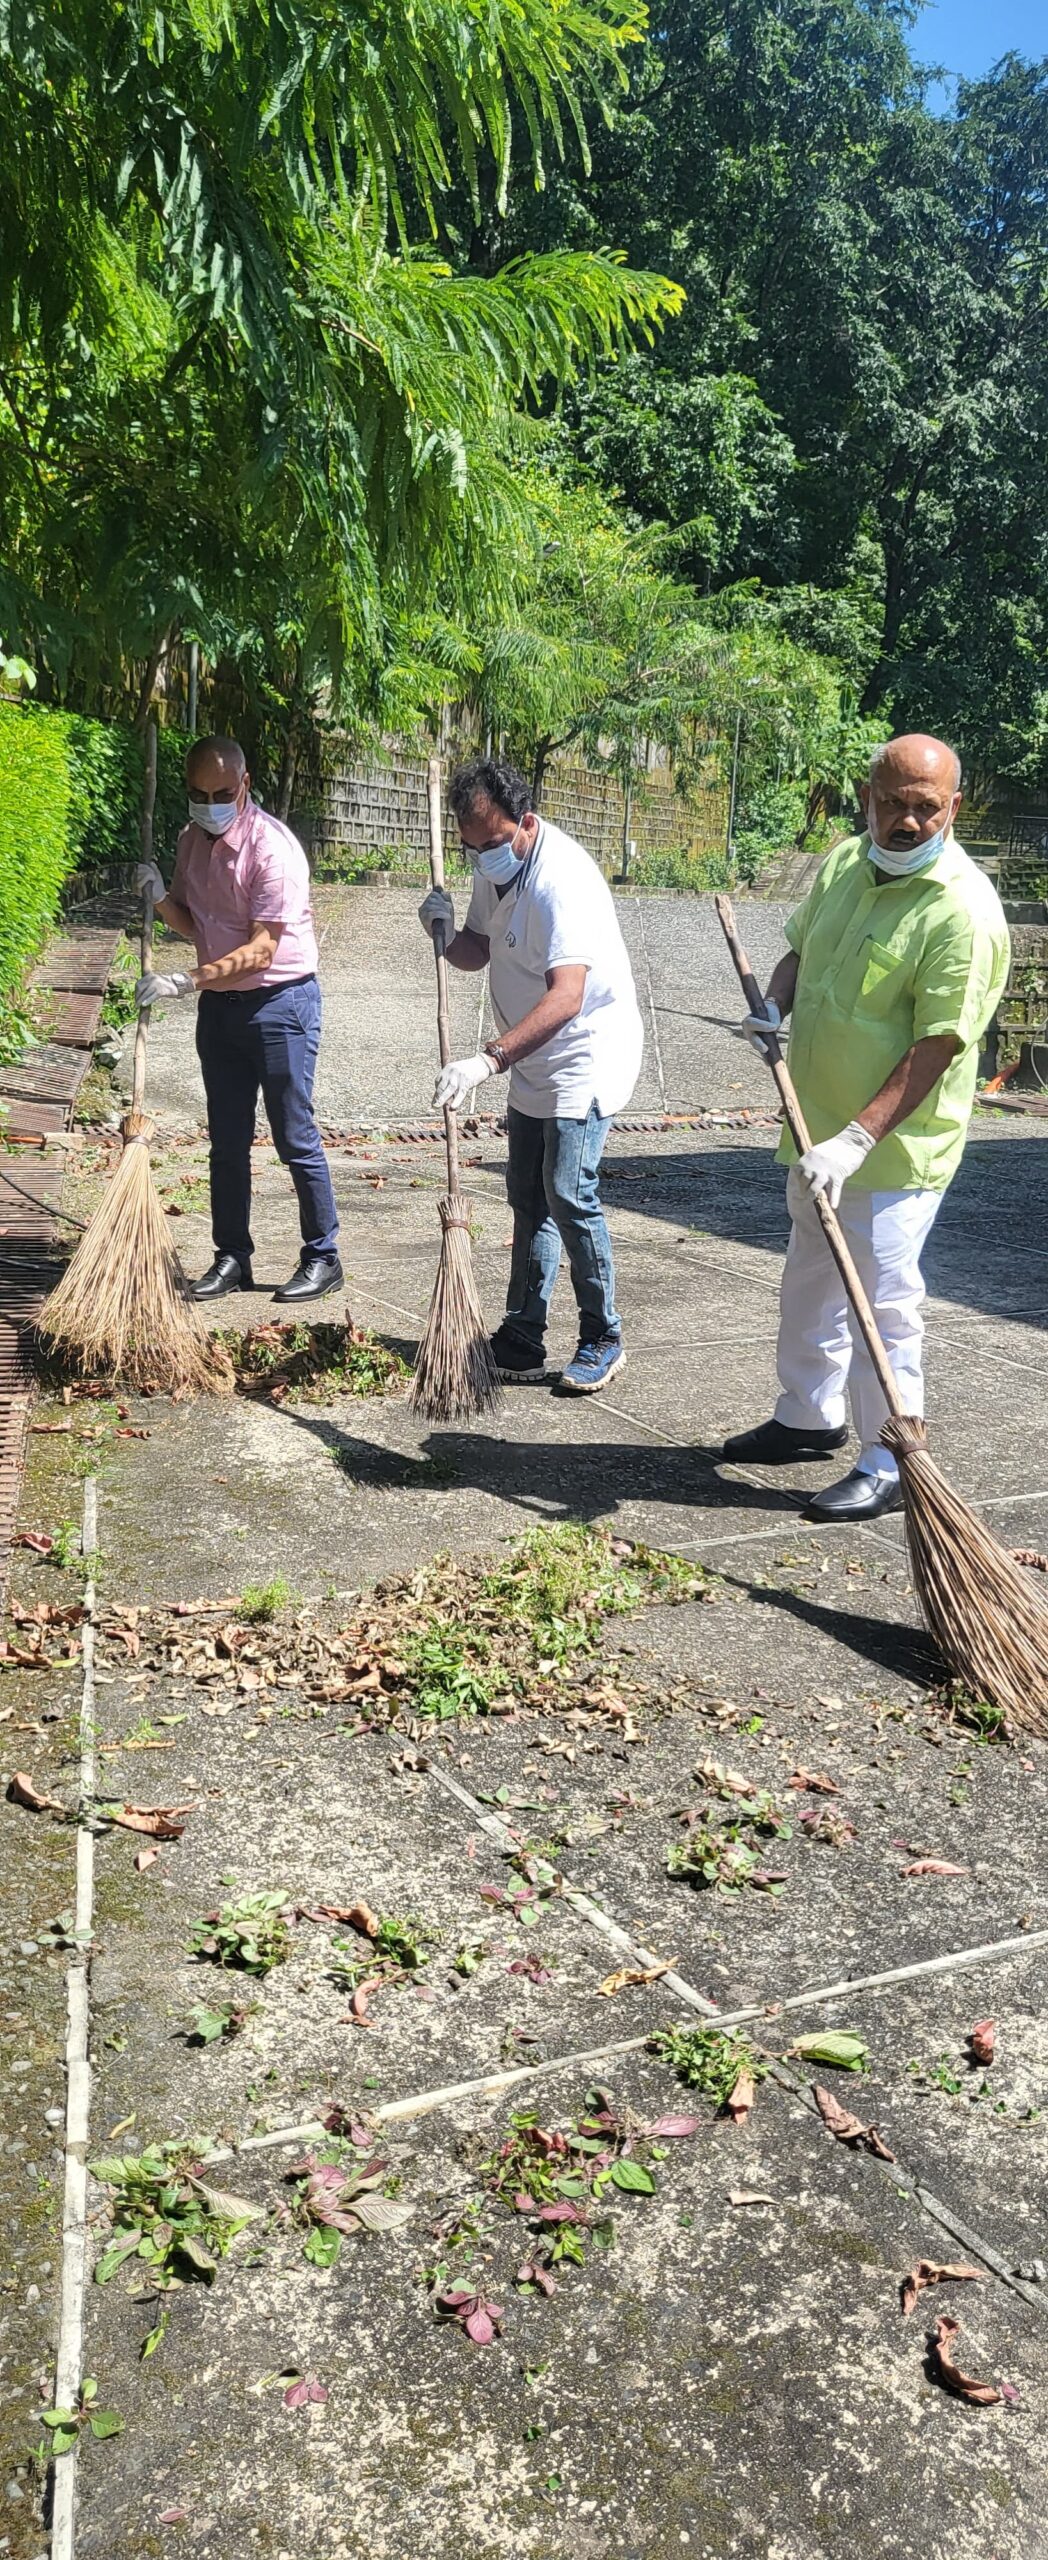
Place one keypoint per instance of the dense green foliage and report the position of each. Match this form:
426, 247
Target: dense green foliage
849, 425
70, 797
617, 375
35, 838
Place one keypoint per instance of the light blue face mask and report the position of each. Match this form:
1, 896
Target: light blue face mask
215, 816
498, 862
900, 865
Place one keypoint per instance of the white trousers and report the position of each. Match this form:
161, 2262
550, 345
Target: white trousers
821, 1357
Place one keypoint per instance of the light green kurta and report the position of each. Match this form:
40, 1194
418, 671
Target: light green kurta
884, 964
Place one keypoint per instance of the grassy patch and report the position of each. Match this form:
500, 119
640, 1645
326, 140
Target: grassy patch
311, 1363
261, 1602
562, 1583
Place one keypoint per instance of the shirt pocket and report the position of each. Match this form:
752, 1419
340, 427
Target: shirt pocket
885, 979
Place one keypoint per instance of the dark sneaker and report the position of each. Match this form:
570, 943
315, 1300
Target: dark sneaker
594, 1363
317, 1275
773, 1444
517, 1364
226, 1275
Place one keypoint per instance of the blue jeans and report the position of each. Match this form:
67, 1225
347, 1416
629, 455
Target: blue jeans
553, 1190
264, 1038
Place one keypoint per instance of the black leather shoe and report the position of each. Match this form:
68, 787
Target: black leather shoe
313, 1279
856, 1497
226, 1274
774, 1444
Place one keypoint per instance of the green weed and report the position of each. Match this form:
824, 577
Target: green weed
167, 2216
562, 1582
708, 2059
444, 1664
248, 1936
719, 1855
260, 1602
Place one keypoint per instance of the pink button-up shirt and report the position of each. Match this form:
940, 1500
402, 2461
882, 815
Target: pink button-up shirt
257, 874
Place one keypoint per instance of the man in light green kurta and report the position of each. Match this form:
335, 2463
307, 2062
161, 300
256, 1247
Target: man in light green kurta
898, 959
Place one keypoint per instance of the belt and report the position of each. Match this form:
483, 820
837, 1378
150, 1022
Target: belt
247, 995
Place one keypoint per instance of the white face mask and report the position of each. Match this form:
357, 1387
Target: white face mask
901, 861
215, 816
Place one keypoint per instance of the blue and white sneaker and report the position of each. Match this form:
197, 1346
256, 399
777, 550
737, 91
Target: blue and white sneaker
594, 1363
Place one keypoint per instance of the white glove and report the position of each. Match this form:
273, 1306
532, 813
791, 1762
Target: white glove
827, 1168
156, 986
756, 1023
147, 876
458, 1078
437, 908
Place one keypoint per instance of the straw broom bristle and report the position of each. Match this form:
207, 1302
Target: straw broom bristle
988, 1619
455, 1373
122, 1308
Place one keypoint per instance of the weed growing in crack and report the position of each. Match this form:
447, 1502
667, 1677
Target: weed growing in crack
261, 1602
708, 2059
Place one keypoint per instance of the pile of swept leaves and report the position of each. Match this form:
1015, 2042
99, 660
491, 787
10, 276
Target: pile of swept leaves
454, 1640
311, 1363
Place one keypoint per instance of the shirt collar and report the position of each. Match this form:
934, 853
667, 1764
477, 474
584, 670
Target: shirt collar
235, 836
944, 867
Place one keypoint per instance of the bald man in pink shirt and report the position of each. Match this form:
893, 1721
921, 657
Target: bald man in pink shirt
240, 892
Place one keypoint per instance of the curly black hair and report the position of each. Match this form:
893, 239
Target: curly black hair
487, 778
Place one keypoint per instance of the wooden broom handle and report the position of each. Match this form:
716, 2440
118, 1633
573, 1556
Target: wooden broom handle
864, 1315
436, 873
138, 1078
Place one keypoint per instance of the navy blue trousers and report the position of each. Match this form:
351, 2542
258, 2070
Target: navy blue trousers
264, 1039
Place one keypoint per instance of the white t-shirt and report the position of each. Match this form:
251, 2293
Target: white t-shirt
560, 911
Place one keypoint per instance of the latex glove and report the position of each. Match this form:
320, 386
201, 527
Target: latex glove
756, 1023
827, 1168
438, 908
458, 1078
157, 985
147, 876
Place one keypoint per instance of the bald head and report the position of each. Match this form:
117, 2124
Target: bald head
914, 790
215, 769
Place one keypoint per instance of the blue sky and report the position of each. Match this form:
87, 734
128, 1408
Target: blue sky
968, 36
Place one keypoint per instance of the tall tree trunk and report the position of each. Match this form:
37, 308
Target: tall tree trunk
538, 772
154, 662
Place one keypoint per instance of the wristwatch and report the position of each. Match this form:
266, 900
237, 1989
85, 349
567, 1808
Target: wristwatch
494, 1049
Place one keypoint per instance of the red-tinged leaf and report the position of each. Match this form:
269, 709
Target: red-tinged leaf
523, 2203
535, 2271
531, 1969
934, 1867
359, 2004
982, 2040
479, 2327
560, 2213
36, 1540
174, 2515
964, 2386
1009, 2392
674, 2128
742, 2097
490, 1893
927, 2272
301, 2394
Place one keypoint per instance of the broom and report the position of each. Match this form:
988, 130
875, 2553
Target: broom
987, 1619
455, 1373
122, 1307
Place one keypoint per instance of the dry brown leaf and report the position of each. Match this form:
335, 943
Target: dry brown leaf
813, 1782
359, 2004
742, 2097
749, 2195
846, 2127
631, 1973
934, 1867
158, 1821
982, 2040
22, 1791
963, 2385
145, 1858
927, 2272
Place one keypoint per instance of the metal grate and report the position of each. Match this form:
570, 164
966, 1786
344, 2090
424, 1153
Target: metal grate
70, 1020
48, 1074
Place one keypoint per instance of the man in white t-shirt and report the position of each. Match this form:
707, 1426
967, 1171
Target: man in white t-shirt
542, 921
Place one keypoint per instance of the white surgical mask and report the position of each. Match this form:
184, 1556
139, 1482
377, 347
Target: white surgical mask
901, 862
499, 864
215, 816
